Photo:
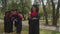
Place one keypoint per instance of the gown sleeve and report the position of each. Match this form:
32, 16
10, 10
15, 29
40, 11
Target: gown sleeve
37, 17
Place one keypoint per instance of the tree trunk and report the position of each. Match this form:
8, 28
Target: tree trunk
48, 2
57, 12
45, 13
53, 13
24, 17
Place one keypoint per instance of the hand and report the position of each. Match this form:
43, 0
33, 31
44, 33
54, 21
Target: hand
15, 20
34, 18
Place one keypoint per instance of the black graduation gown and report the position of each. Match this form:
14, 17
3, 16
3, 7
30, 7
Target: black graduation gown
8, 25
34, 25
18, 24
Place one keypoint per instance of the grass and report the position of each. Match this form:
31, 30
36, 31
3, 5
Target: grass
42, 22
48, 32
1, 16
1, 28
25, 30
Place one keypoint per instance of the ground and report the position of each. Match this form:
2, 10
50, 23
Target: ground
25, 30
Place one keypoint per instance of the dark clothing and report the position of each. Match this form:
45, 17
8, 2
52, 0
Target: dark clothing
34, 25
19, 27
18, 24
8, 25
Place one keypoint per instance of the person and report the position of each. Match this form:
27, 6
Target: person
18, 22
33, 18
12, 19
7, 23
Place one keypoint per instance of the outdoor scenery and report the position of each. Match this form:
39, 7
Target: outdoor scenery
49, 22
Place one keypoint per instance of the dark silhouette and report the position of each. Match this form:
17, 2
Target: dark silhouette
34, 20
18, 22
8, 25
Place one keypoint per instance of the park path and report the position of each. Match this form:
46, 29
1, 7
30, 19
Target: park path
25, 23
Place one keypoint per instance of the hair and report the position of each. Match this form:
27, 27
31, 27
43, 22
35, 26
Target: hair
18, 11
7, 12
35, 6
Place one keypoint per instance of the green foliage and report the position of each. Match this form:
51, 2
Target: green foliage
12, 5
49, 9
23, 6
48, 32
41, 12
1, 15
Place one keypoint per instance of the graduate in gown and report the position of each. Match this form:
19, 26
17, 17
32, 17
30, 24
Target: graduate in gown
12, 18
7, 23
18, 22
34, 20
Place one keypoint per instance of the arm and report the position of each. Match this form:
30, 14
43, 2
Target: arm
37, 17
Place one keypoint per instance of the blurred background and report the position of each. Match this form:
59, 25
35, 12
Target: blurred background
49, 13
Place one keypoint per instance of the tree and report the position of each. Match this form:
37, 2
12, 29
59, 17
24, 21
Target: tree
4, 5
45, 13
53, 12
57, 12
48, 2
25, 7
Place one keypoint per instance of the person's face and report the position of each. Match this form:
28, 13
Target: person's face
34, 9
7, 14
16, 12
12, 11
